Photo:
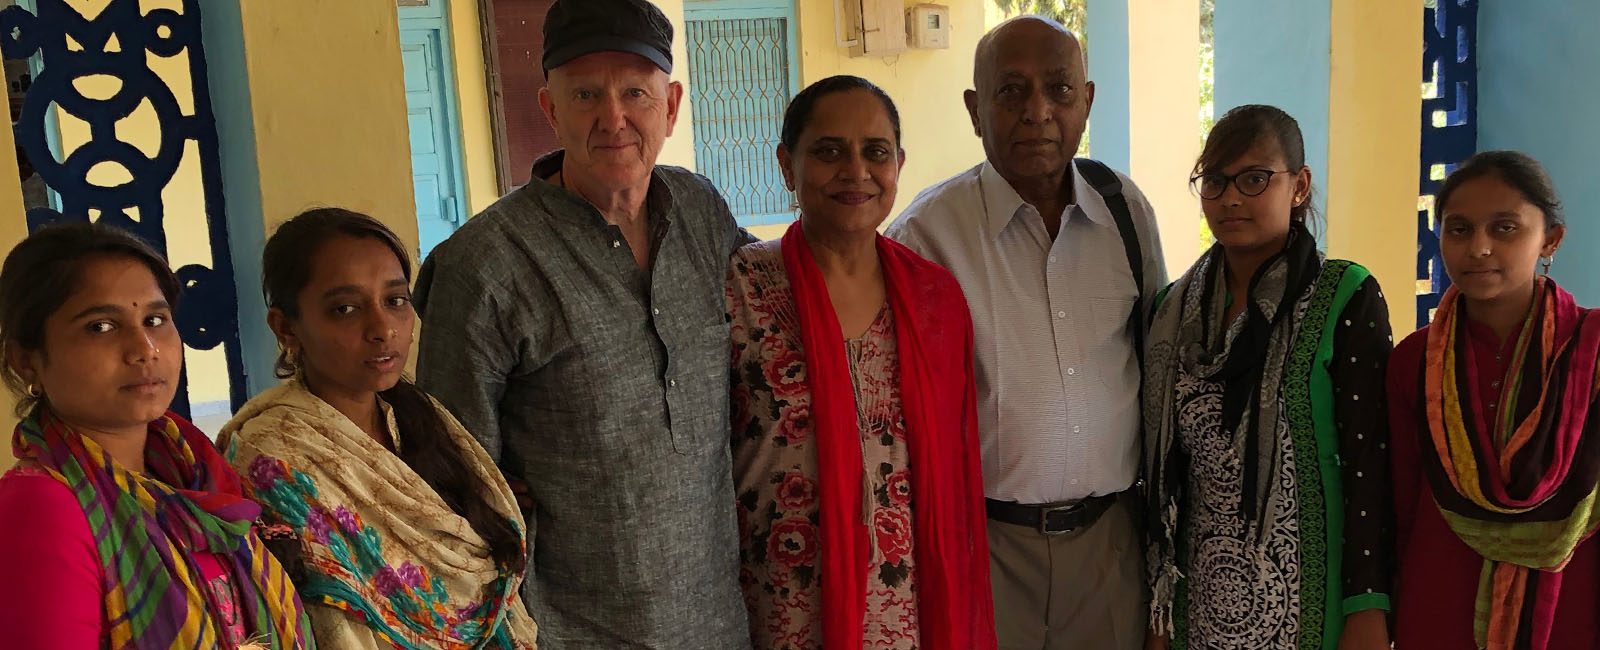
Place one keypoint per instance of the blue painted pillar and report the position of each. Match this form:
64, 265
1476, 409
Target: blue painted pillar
1107, 40
1277, 52
222, 29
1535, 96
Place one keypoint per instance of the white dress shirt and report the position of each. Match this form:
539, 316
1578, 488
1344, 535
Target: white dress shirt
1058, 376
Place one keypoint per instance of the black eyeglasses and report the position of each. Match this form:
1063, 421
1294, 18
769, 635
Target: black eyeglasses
1250, 182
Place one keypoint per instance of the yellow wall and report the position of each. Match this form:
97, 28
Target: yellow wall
1374, 133
328, 100
13, 228
679, 149
472, 97
1163, 110
926, 85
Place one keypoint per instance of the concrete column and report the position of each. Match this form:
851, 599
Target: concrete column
1164, 119
310, 105
1349, 71
1144, 58
1374, 140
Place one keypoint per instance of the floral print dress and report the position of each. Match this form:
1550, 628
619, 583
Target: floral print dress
775, 467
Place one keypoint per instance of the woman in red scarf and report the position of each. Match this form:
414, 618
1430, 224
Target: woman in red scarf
855, 445
1496, 432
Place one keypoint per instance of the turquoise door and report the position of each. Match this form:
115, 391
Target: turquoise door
741, 75
432, 117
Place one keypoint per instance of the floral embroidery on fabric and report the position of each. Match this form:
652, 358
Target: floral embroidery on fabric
776, 470
416, 601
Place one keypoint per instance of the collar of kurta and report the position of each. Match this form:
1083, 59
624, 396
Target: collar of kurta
557, 200
1002, 204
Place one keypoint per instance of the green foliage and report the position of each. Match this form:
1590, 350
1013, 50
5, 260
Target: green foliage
1067, 12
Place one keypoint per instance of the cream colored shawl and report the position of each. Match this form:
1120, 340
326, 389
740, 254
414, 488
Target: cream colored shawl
388, 563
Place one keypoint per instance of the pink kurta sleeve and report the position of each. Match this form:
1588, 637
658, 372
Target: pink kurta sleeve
50, 592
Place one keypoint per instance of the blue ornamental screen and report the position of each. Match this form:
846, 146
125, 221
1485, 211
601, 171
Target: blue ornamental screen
1449, 128
142, 133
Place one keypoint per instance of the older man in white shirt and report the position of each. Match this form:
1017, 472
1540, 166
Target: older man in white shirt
1046, 252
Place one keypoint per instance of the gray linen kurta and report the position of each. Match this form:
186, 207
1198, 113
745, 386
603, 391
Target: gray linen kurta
605, 388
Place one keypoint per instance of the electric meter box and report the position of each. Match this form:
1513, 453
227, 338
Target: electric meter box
928, 27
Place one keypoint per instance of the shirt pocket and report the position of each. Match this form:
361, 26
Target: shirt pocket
1109, 341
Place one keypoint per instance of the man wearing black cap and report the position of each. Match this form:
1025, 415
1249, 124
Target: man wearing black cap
577, 328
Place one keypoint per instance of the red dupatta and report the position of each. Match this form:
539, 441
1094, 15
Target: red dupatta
933, 332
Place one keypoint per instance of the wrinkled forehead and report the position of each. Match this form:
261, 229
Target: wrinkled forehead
1031, 49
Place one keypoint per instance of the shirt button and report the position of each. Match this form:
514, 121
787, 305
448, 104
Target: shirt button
1074, 481
1052, 259
1491, 405
672, 383
616, 243
1072, 371
1061, 314
1495, 384
655, 311
1077, 429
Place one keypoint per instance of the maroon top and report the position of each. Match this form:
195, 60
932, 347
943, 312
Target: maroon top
1436, 574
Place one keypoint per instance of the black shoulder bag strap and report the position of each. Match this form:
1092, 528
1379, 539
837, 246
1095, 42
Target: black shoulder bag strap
1109, 186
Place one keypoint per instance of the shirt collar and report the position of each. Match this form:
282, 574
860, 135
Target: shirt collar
1002, 204
1483, 337
659, 202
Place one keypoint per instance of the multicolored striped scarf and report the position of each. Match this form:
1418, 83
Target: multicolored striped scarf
1520, 486
147, 526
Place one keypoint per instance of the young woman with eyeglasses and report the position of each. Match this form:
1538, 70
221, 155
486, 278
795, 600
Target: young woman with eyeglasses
1264, 418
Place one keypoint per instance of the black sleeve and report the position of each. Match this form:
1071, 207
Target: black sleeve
1361, 346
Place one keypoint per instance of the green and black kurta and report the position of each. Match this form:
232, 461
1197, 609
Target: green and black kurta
1266, 453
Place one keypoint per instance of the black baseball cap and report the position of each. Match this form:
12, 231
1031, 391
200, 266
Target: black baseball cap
574, 28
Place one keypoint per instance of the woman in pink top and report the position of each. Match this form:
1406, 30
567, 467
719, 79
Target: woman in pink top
124, 526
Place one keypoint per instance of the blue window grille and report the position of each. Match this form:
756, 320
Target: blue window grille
742, 72
1449, 129
120, 41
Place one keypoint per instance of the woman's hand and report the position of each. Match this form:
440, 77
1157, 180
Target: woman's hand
1366, 630
1153, 641
520, 490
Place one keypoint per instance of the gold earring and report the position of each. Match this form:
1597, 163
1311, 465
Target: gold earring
34, 391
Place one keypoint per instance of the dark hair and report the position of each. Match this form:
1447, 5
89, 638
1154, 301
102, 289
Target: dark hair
1517, 169
429, 451
43, 271
798, 115
1240, 129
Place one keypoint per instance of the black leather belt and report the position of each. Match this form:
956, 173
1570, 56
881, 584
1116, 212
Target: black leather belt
1051, 519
